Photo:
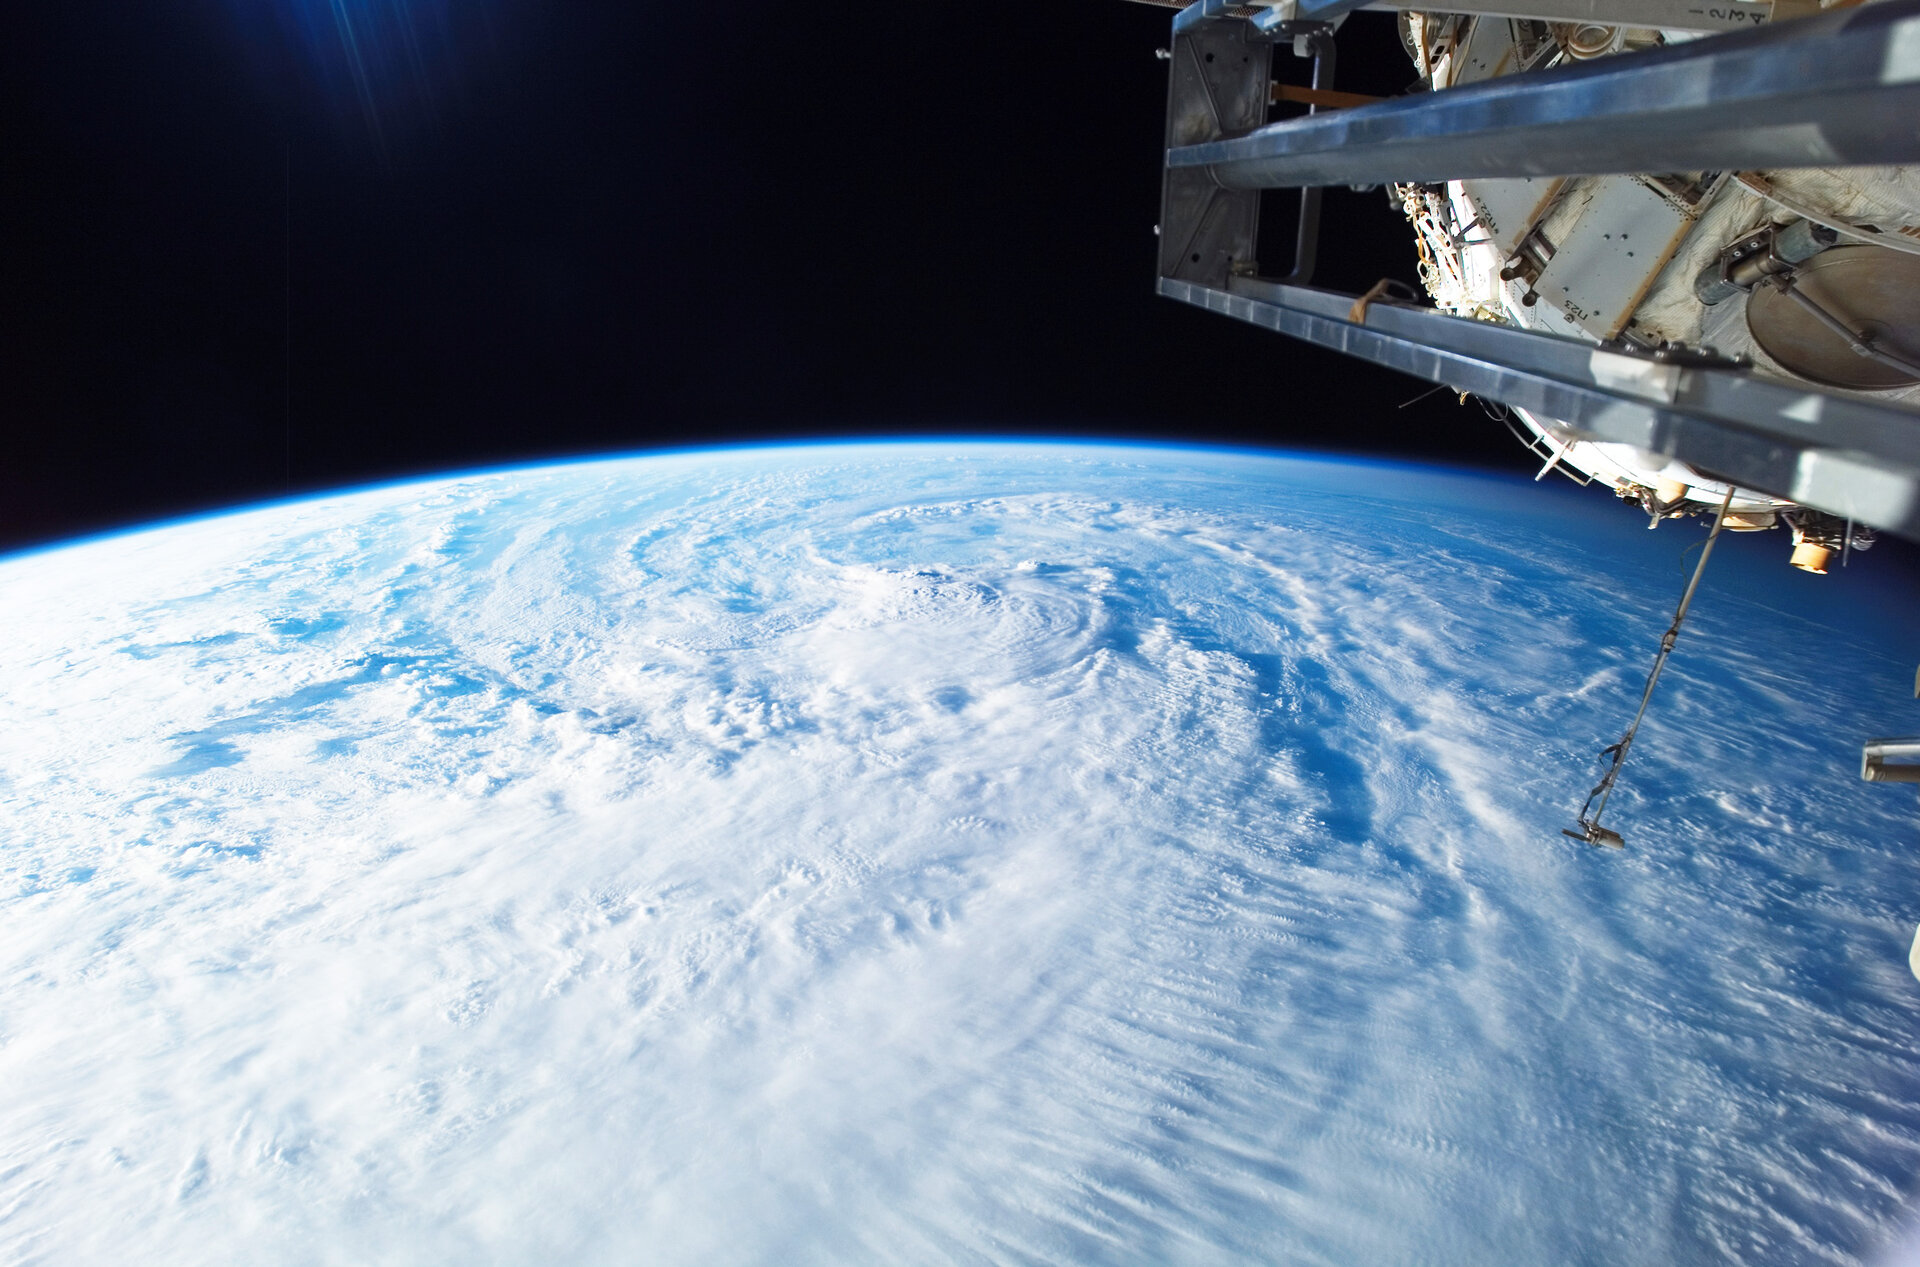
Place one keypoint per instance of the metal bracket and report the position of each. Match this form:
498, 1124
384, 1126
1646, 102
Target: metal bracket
1219, 87
1216, 87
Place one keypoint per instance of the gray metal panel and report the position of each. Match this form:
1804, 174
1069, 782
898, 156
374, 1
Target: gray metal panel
1605, 261
1841, 88
1854, 458
1217, 86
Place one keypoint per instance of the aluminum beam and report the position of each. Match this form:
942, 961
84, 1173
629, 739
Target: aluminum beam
1842, 88
1891, 761
1666, 15
1669, 15
1854, 458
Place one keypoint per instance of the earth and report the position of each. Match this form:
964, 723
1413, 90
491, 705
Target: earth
954, 852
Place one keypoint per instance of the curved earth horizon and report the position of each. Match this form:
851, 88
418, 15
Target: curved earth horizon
964, 852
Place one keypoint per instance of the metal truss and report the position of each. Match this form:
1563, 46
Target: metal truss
1854, 458
1840, 88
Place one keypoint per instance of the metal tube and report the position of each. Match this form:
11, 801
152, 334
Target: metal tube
1759, 256
1306, 240
1891, 761
1837, 89
1619, 750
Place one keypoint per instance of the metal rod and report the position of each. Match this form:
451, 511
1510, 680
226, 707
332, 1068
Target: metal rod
1842, 88
1860, 343
1590, 824
1326, 97
1306, 240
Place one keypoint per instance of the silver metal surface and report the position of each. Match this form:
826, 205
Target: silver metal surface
1216, 85
1670, 15
1891, 761
1765, 252
1317, 43
1840, 88
1853, 458
1505, 211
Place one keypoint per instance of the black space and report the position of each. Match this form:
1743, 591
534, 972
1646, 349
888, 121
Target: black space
235, 268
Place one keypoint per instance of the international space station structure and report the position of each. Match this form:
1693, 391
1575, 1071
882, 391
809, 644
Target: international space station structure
1677, 240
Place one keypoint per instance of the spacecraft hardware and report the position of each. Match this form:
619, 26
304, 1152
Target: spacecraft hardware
1590, 829
1675, 243
1678, 242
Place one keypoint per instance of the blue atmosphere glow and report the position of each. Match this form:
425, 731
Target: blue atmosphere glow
387, 60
